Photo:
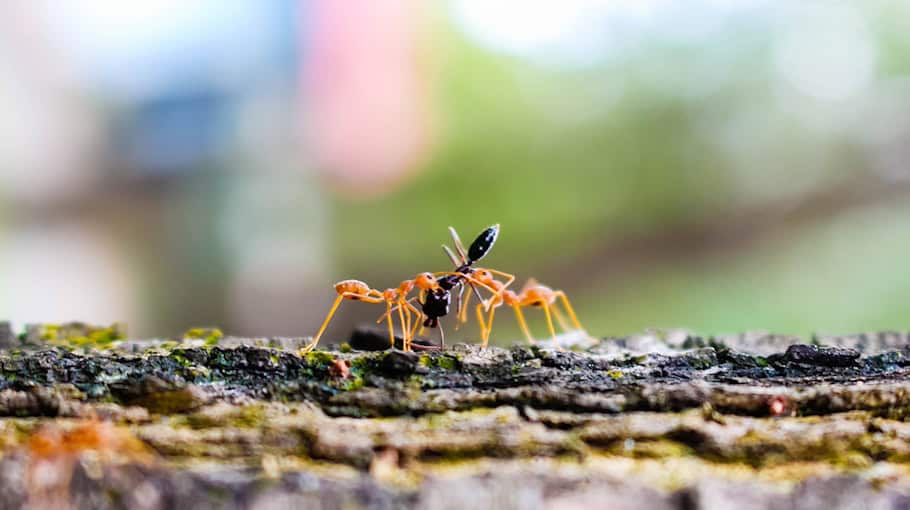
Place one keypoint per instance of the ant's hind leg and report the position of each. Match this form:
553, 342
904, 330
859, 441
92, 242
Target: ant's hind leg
344, 295
310, 346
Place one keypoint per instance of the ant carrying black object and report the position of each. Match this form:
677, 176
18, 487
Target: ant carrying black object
437, 290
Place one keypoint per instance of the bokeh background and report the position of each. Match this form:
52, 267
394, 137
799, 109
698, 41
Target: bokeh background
705, 164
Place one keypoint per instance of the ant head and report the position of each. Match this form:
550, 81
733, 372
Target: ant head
426, 281
483, 275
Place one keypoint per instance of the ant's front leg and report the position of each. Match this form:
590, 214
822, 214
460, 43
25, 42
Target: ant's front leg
522, 324
464, 311
419, 319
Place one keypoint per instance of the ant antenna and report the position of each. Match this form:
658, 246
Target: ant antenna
451, 255
458, 245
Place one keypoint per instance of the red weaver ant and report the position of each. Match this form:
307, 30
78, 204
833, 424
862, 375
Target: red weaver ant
357, 290
532, 294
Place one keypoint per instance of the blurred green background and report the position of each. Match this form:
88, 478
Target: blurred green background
711, 165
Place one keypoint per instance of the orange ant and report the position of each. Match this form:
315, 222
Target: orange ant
532, 294
356, 290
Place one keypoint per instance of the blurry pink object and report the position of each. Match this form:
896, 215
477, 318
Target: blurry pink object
366, 93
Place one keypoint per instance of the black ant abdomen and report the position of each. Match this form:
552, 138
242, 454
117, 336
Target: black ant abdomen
482, 245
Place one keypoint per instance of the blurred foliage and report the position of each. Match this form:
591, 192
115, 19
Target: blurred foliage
572, 160
633, 180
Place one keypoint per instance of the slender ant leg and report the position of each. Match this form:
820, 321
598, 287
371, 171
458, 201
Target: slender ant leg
483, 326
388, 308
344, 295
560, 319
546, 311
469, 279
522, 324
404, 331
486, 337
464, 311
568, 307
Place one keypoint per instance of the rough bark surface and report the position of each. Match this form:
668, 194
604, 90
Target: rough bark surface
658, 420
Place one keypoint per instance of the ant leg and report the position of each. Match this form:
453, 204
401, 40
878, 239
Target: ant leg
388, 317
344, 295
310, 346
404, 327
470, 279
394, 308
560, 319
471, 282
464, 310
486, 339
509, 277
475, 291
483, 326
568, 307
412, 330
442, 336
522, 324
459, 298
546, 311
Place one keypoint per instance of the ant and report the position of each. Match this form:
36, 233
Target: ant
356, 290
435, 303
532, 294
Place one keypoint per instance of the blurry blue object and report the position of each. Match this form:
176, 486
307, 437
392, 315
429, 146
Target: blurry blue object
176, 70
176, 132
